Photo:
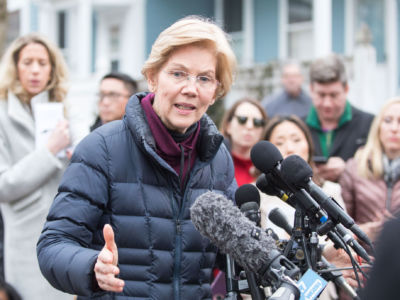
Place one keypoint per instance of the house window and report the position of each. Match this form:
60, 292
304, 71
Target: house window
300, 29
370, 14
115, 47
62, 32
233, 24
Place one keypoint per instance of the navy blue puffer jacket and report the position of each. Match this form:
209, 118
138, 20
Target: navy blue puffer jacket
116, 177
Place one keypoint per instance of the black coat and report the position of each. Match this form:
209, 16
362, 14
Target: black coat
384, 277
116, 177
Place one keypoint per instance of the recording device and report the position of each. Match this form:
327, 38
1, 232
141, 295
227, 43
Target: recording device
279, 219
320, 159
216, 218
298, 173
247, 198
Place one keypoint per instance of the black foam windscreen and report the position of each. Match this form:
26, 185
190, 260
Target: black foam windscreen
248, 206
296, 171
265, 156
247, 193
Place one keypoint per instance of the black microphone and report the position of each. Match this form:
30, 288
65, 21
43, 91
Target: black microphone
266, 184
216, 218
247, 198
279, 219
275, 216
348, 238
266, 157
297, 172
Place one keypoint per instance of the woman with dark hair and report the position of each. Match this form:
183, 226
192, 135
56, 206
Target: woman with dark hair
243, 125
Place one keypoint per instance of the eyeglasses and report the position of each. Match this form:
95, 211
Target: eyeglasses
203, 81
242, 120
112, 96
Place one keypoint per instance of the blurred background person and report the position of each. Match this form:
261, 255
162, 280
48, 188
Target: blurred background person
8, 292
114, 92
370, 182
32, 71
337, 128
292, 99
120, 227
243, 125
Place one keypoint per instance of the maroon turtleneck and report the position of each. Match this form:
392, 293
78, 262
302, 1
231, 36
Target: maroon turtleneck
168, 148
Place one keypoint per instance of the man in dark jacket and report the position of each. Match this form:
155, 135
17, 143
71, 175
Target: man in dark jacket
120, 225
114, 92
338, 129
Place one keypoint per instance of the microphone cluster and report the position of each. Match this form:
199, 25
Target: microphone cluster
290, 179
236, 231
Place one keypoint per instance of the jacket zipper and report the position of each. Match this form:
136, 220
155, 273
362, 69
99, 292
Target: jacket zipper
178, 253
178, 239
389, 185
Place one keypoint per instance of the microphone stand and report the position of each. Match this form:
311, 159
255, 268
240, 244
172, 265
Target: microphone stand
231, 281
313, 258
233, 285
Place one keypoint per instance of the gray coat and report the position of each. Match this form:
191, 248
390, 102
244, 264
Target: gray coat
28, 182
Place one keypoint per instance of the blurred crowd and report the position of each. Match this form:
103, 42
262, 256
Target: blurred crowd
354, 155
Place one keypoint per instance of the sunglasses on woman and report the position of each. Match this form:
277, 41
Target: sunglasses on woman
242, 120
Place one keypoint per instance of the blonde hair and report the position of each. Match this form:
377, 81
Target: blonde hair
369, 158
194, 30
57, 85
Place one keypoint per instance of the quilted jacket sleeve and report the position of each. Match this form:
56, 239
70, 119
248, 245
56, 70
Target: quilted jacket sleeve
346, 183
63, 249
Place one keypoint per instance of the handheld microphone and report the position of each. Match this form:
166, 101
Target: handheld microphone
247, 198
279, 219
266, 157
266, 185
297, 172
348, 238
216, 218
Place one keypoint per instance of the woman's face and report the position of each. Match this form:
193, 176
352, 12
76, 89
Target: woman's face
184, 87
389, 131
34, 68
290, 139
246, 126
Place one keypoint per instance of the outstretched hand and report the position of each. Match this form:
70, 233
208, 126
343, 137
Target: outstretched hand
106, 268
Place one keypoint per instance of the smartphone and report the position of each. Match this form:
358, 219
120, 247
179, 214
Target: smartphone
320, 159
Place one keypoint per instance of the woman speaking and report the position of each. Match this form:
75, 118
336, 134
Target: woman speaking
120, 225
